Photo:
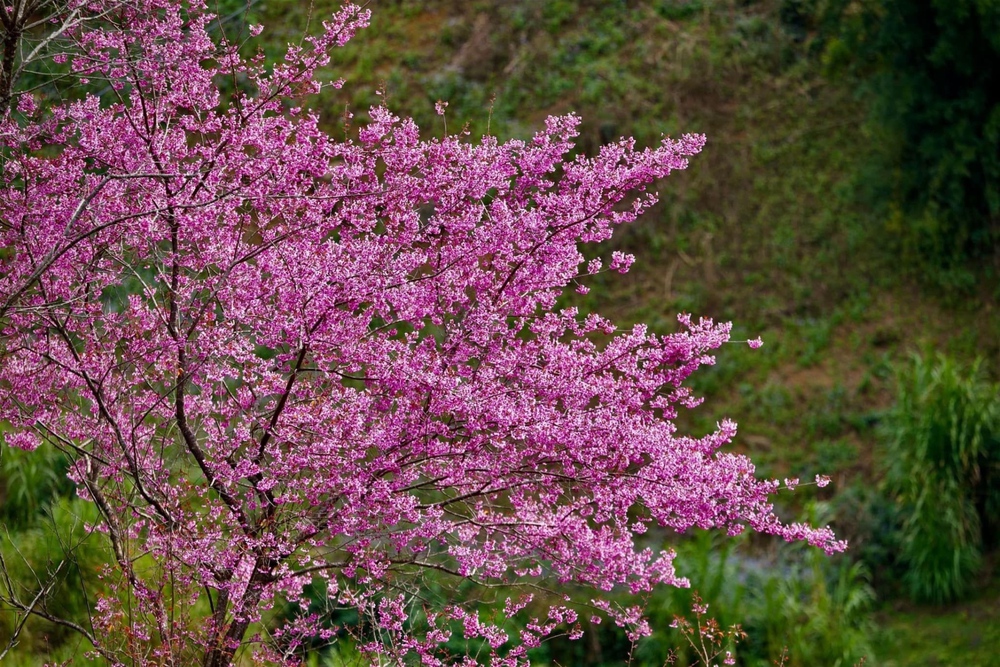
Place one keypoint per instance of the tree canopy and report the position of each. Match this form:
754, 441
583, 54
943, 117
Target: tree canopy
274, 358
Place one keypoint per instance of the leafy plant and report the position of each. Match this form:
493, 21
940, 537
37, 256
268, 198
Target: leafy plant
50, 570
826, 612
943, 459
813, 611
28, 483
932, 71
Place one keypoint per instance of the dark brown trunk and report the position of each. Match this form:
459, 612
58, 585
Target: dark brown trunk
11, 40
227, 638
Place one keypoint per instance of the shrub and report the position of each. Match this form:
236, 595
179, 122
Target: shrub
932, 71
942, 461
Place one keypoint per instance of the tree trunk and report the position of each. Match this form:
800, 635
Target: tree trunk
11, 40
227, 637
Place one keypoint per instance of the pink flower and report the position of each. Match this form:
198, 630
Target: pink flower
26, 104
621, 262
822, 480
22, 440
755, 343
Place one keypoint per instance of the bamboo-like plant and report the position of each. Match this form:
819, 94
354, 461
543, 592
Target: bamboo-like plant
942, 456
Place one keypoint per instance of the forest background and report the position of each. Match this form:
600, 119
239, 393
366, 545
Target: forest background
846, 208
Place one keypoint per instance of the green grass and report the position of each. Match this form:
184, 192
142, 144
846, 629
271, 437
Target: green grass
966, 634
941, 458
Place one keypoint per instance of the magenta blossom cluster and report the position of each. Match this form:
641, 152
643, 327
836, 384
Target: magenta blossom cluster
278, 359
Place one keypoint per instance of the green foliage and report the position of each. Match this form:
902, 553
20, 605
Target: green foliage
871, 523
926, 636
45, 544
58, 553
816, 608
342, 654
943, 458
676, 10
29, 481
932, 71
825, 610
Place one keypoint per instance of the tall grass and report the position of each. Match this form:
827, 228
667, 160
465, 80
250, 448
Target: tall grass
943, 460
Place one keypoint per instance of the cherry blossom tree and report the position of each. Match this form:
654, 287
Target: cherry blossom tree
279, 360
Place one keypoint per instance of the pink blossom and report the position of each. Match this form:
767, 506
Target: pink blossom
26, 104
22, 440
621, 261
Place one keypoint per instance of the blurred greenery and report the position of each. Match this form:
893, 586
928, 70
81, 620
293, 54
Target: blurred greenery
813, 609
45, 543
931, 70
29, 482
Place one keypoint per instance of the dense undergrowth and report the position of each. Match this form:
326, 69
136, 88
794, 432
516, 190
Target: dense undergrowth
774, 227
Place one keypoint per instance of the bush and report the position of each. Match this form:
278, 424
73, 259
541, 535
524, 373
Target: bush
55, 552
942, 459
932, 70
815, 611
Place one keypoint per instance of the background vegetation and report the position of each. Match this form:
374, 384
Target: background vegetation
846, 208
